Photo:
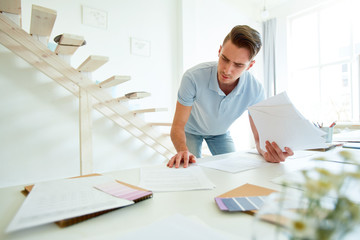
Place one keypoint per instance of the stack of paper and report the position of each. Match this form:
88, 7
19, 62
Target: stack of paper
277, 120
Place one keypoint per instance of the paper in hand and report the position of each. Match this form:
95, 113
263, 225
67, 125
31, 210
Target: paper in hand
277, 120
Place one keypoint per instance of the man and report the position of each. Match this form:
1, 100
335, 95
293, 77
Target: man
213, 95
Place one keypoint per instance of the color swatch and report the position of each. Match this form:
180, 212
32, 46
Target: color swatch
119, 190
237, 204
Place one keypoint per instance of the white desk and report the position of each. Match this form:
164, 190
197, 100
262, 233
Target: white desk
190, 203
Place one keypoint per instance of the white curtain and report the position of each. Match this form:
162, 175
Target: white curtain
269, 35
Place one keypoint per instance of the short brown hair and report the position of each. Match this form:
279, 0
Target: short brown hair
244, 36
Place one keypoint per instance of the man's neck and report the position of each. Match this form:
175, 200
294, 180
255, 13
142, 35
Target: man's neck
227, 88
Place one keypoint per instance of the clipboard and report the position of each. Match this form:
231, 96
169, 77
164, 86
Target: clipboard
70, 221
246, 190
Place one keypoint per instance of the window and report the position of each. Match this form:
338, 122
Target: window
324, 50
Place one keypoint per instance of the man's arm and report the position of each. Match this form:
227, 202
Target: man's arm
273, 152
178, 138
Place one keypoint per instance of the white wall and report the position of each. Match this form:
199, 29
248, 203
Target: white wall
39, 119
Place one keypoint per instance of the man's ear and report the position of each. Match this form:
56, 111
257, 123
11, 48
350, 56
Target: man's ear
219, 51
251, 64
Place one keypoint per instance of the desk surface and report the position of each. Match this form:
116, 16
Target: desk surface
200, 204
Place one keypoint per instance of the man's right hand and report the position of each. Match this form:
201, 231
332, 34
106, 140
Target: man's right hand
182, 156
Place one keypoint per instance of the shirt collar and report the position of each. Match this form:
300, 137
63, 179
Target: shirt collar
214, 84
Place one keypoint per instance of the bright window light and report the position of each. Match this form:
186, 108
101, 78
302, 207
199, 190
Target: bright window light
324, 50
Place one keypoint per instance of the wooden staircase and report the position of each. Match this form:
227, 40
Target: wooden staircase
33, 49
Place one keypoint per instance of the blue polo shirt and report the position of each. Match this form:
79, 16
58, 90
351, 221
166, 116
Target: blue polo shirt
212, 111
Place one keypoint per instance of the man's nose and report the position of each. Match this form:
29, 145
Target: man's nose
227, 68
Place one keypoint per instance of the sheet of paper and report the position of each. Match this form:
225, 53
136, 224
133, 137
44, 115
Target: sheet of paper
347, 136
162, 178
297, 154
177, 227
57, 200
276, 119
234, 164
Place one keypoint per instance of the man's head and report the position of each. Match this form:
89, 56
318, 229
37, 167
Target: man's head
236, 55
244, 36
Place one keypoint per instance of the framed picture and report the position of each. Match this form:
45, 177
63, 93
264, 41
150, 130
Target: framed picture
140, 47
94, 17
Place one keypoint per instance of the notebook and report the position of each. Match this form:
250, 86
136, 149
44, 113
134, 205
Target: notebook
137, 194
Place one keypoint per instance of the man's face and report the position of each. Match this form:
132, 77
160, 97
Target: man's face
233, 61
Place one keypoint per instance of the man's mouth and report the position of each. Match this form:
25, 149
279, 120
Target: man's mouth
225, 76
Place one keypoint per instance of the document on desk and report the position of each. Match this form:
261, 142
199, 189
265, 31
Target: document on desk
161, 179
62, 199
276, 119
347, 136
234, 163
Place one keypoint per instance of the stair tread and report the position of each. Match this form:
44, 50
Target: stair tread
11, 6
92, 63
149, 110
113, 81
42, 20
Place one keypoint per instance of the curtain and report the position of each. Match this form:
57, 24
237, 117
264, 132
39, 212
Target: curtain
269, 37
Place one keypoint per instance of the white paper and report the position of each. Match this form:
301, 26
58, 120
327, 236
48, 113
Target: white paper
57, 200
277, 120
347, 136
235, 164
176, 227
162, 178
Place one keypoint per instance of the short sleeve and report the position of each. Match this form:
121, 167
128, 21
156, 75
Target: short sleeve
187, 90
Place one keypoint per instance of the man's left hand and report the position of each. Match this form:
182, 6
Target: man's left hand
274, 154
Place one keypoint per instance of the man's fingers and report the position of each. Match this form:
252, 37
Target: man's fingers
183, 156
171, 162
278, 151
289, 151
186, 159
178, 160
271, 152
192, 159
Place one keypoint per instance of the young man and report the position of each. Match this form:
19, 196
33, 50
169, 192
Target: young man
213, 95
